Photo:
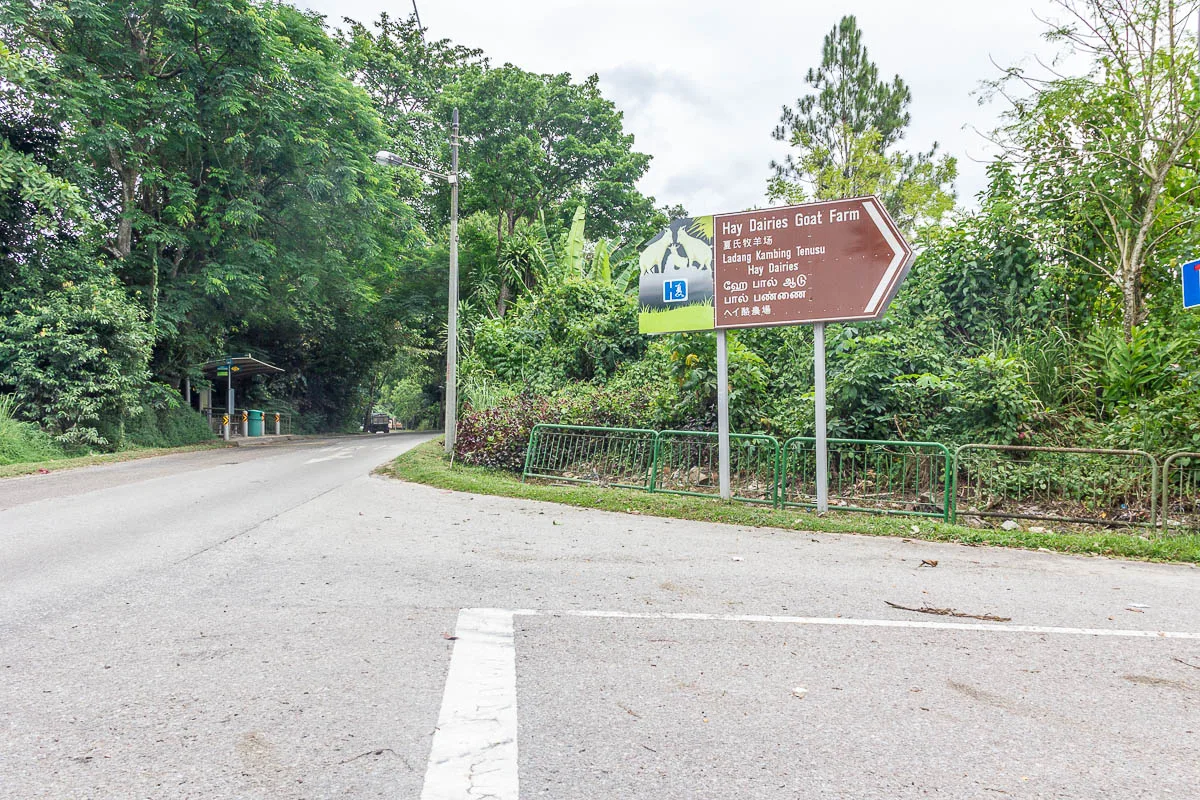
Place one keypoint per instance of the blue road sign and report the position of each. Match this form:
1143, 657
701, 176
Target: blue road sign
675, 291
1191, 284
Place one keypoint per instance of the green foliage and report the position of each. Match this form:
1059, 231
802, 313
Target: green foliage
1123, 372
981, 276
404, 71
574, 330
497, 436
916, 190
166, 422
843, 138
850, 100
534, 142
1106, 160
984, 399
23, 442
407, 401
231, 161
694, 370
573, 249
74, 357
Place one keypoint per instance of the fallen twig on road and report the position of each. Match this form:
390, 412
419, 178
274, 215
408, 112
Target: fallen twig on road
950, 612
1186, 664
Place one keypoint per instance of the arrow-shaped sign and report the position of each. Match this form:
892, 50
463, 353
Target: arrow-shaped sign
832, 261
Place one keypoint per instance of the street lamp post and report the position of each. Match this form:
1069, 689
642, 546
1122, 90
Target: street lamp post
391, 159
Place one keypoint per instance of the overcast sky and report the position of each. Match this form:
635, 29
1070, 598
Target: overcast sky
702, 82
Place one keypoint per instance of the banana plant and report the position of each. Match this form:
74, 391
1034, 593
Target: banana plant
576, 241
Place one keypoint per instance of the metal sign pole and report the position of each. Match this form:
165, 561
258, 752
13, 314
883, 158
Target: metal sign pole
723, 411
819, 391
229, 395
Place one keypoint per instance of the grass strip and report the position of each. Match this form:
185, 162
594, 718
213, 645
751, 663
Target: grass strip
428, 464
57, 464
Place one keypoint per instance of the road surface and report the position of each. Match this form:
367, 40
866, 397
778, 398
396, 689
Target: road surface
279, 623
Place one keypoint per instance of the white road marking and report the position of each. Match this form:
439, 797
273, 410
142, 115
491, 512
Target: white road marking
474, 753
875, 623
342, 452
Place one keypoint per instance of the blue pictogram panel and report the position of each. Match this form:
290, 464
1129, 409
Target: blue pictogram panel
1191, 284
675, 291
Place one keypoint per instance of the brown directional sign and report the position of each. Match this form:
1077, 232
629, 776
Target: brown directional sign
834, 261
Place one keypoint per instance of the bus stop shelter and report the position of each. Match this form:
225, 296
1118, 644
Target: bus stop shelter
229, 370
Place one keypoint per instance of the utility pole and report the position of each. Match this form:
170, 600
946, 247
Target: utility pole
452, 311
451, 394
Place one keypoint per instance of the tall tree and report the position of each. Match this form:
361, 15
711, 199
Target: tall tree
1107, 157
404, 72
227, 161
844, 138
537, 145
850, 99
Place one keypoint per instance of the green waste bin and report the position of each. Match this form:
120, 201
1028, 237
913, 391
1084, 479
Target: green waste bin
254, 427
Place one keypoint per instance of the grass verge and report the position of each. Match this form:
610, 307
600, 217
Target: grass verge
428, 464
57, 464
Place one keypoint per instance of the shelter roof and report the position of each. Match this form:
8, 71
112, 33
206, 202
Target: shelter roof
243, 365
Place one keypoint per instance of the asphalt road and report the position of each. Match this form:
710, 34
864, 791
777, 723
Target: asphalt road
279, 623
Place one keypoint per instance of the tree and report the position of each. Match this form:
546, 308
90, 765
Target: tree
844, 138
850, 100
404, 73
1106, 158
541, 143
227, 164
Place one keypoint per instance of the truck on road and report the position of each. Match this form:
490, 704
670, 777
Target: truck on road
379, 423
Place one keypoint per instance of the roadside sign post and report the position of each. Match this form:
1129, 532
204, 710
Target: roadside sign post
819, 422
228, 396
829, 261
723, 414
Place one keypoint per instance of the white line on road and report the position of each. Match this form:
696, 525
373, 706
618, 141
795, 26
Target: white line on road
339, 453
872, 623
474, 750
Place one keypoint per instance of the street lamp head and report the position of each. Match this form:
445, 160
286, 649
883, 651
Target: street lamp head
388, 159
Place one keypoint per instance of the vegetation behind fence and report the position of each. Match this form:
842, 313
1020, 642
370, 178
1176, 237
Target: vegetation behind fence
1180, 508
621, 457
1062, 484
884, 477
1122, 488
688, 462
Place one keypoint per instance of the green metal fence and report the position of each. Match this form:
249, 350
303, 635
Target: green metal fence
621, 457
911, 478
1180, 508
1059, 484
688, 462
1104, 487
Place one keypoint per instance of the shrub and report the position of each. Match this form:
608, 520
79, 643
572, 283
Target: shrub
75, 356
22, 442
575, 330
498, 436
167, 422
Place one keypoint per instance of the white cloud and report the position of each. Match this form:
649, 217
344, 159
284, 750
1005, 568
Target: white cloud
702, 83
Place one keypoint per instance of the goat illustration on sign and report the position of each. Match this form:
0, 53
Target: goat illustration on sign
676, 288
